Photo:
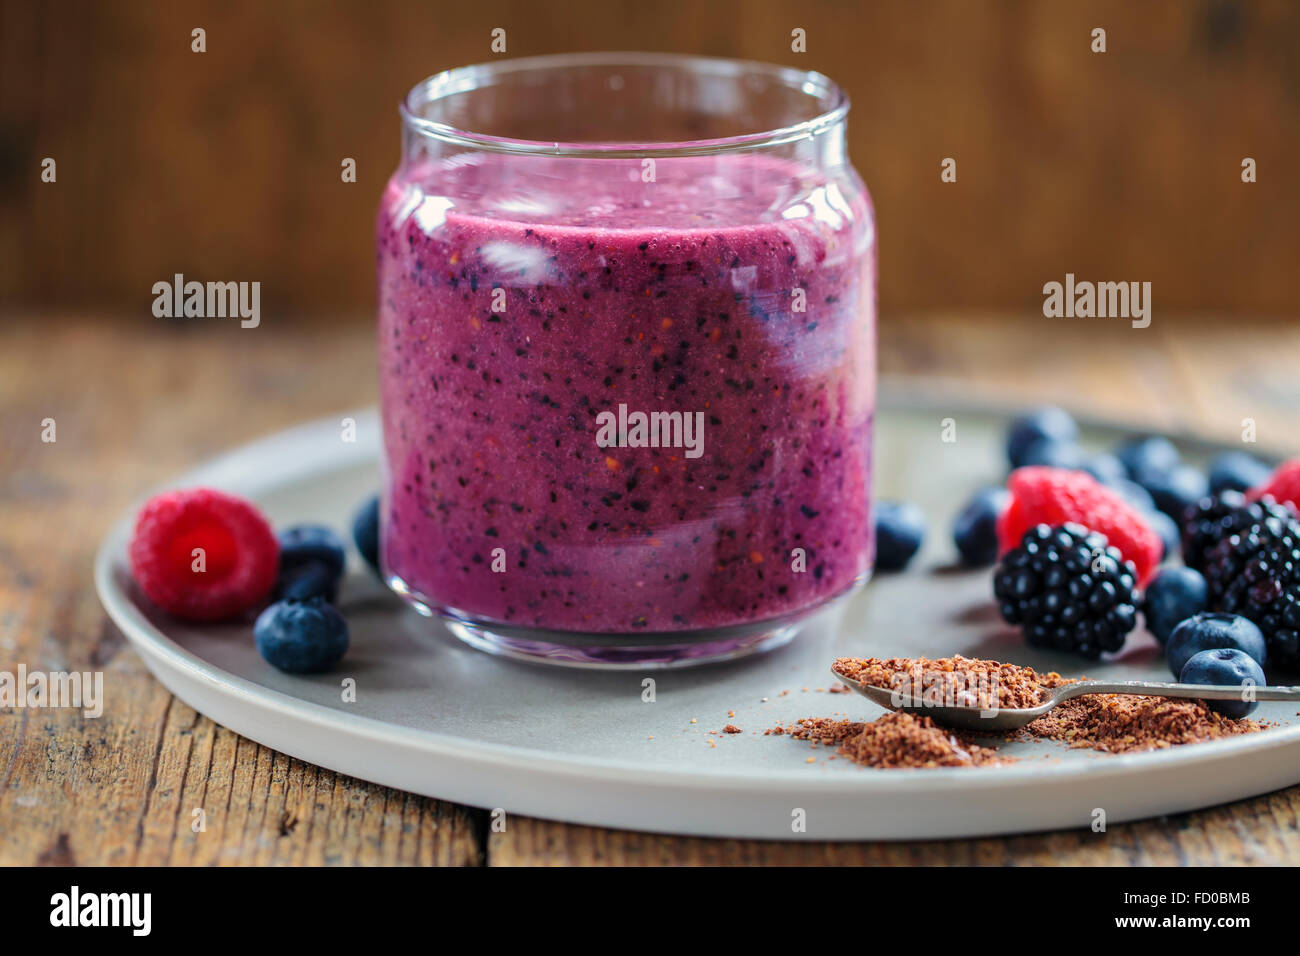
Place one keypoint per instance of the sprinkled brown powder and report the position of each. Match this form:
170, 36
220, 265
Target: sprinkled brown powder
894, 741
1111, 723
1119, 723
955, 680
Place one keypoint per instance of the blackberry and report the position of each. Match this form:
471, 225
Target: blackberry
1216, 517
1256, 573
1069, 590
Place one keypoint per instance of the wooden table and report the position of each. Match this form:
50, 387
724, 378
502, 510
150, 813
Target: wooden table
137, 401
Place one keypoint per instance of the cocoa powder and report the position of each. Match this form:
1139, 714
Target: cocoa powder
895, 741
1120, 723
956, 680
1110, 723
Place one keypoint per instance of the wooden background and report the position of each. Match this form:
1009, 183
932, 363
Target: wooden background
225, 165
122, 789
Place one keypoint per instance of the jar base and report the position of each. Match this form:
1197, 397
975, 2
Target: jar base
655, 651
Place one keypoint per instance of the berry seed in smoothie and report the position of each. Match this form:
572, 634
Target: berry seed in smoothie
627, 356
506, 341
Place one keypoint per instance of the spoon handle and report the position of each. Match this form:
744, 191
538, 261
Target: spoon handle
1160, 689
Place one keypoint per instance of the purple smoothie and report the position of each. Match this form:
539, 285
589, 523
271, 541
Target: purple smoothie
678, 295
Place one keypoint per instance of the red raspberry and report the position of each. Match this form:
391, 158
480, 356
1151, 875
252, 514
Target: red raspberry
241, 555
1041, 495
1284, 486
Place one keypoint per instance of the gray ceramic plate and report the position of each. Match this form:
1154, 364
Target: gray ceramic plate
438, 718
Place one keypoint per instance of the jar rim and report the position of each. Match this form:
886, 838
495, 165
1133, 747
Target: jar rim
817, 86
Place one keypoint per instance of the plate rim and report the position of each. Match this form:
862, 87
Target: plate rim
154, 644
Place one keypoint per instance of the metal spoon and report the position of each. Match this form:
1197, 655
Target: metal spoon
1010, 718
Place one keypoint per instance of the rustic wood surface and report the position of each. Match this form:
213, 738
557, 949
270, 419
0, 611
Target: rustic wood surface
226, 164
137, 402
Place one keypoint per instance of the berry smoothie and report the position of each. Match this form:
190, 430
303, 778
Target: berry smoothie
737, 290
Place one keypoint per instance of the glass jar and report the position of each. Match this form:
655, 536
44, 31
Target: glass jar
627, 356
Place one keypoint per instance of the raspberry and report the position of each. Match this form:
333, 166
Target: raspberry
1056, 496
240, 555
1283, 487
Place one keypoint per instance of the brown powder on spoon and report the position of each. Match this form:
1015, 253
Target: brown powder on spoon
956, 680
1110, 723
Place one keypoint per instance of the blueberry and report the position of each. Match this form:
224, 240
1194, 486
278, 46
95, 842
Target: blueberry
900, 529
1172, 597
1047, 422
301, 637
365, 531
1237, 471
305, 580
1171, 536
1176, 490
1225, 667
1105, 467
311, 542
975, 530
1211, 631
1053, 453
1147, 456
